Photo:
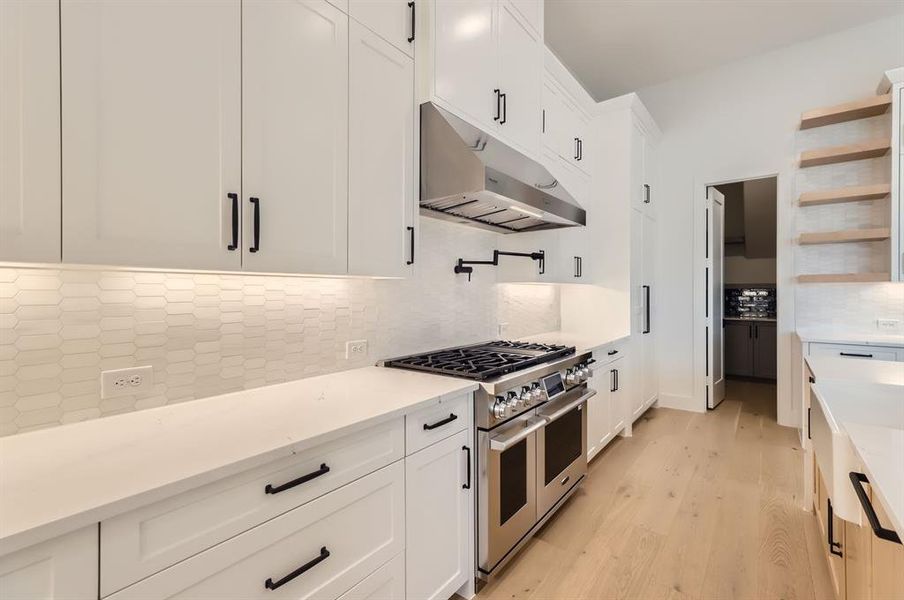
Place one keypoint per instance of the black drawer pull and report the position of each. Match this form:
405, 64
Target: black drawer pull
612, 352
256, 202
809, 421
323, 470
411, 233
467, 486
498, 105
235, 221
504, 109
411, 37
812, 379
858, 479
446, 421
855, 354
324, 554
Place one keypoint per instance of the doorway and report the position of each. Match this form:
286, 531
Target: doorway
740, 286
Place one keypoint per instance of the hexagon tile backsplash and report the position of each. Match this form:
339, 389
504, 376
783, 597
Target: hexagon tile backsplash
207, 334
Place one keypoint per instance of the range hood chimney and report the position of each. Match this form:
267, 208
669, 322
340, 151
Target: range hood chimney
468, 176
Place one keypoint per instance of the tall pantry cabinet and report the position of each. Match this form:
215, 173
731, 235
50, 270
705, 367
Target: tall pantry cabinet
215, 135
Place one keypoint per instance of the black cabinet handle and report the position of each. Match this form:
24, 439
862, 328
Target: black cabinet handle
646, 291
812, 379
577, 272
612, 352
617, 382
855, 355
580, 149
542, 262
646, 193
576, 140
411, 233
889, 535
446, 421
323, 470
504, 109
235, 221
809, 422
612, 385
543, 121
256, 202
324, 554
834, 547
498, 105
467, 486
411, 37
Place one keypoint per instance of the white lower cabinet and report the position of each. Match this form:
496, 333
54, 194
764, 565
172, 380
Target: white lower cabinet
319, 550
606, 410
386, 583
855, 351
64, 568
439, 481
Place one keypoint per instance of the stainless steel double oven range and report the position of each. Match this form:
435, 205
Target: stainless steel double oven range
531, 419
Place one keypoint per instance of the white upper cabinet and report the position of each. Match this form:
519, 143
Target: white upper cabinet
29, 131
151, 132
393, 20
565, 126
487, 66
381, 156
295, 136
532, 12
520, 57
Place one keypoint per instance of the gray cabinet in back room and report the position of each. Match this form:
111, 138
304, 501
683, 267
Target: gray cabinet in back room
750, 348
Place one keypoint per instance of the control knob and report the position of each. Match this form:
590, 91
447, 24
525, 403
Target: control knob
536, 391
513, 400
526, 395
571, 376
499, 409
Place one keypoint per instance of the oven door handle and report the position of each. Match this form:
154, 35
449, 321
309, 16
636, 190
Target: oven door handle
501, 445
569, 407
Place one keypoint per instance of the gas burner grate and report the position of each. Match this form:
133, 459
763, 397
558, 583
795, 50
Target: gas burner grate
482, 361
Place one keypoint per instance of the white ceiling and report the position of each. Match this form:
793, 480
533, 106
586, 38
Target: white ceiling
619, 46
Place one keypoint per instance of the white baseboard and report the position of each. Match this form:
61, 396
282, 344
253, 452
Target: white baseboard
679, 402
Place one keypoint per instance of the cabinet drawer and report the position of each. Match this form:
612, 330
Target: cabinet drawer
62, 568
318, 550
855, 351
609, 353
145, 541
386, 583
436, 422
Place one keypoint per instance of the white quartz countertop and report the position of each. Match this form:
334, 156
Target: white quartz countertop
872, 414
853, 369
582, 343
833, 336
57, 480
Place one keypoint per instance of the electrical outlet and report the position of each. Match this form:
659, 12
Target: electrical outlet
356, 349
125, 382
888, 325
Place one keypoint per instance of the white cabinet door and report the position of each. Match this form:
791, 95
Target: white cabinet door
649, 332
599, 410
553, 117
392, 20
532, 12
572, 256
520, 69
650, 176
464, 59
29, 130
295, 136
381, 156
386, 583
636, 176
151, 132
438, 492
64, 568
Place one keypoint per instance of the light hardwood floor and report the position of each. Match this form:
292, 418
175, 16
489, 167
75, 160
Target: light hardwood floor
692, 506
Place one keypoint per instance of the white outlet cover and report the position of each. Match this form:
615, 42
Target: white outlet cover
126, 382
888, 324
355, 349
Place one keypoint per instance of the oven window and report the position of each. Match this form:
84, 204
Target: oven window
562, 443
512, 481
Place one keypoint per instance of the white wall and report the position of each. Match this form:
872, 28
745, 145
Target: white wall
739, 121
207, 334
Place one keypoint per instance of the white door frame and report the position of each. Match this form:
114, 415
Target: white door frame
785, 284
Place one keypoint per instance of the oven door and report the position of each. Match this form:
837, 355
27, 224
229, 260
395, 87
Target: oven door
562, 447
507, 501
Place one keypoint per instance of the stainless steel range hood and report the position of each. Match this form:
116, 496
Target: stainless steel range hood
468, 176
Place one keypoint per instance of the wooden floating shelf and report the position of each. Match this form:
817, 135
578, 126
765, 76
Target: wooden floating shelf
844, 278
849, 111
848, 152
848, 194
849, 235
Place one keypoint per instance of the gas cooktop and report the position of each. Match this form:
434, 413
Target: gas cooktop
482, 361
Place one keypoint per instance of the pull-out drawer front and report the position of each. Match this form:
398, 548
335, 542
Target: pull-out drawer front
152, 538
856, 351
436, 422
340, 538
386, 583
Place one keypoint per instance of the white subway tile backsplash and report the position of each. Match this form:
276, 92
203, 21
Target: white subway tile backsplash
207, 334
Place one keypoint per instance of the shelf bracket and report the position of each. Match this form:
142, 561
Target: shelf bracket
463, 266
